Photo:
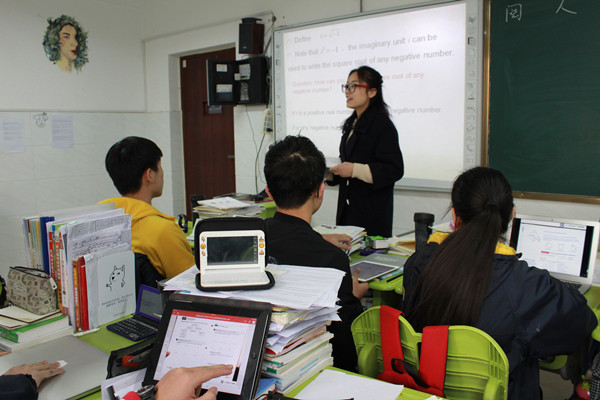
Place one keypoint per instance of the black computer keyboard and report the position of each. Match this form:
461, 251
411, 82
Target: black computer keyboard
573, 285
132, 329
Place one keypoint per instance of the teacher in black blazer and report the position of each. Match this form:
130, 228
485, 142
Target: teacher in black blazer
371, 157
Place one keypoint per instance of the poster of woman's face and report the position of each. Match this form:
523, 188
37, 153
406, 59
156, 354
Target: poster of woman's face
65, 43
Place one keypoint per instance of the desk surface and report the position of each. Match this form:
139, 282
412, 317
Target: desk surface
407, 394
106, 341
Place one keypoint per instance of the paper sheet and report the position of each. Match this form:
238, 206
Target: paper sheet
335, 385
62, 131
295, 287
111, 285
13, 135
123, 384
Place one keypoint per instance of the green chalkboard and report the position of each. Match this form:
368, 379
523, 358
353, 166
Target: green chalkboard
544, 95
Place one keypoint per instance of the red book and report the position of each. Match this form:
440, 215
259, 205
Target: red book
84, 299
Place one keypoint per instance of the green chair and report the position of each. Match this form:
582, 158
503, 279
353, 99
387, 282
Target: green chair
476, 366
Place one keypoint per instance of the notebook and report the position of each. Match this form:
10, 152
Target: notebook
84, 372
197, 331
567, 248
146, 319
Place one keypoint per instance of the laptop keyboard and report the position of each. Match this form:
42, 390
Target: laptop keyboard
132, 329
572, 285
236, 278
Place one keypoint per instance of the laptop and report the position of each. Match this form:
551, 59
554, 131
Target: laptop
566, 248
146, 319
197, 331
85, 367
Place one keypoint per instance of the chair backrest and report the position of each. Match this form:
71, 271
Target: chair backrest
476, 366
194, 199
145, 272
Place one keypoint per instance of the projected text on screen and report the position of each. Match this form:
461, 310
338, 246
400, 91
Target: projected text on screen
422, 56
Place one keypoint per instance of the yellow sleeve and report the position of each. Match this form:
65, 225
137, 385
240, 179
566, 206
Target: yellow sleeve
166, 246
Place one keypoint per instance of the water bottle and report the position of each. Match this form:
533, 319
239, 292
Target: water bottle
423, 223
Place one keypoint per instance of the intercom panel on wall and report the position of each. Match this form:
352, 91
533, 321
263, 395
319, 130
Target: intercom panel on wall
252, 79
238, 82
220, 75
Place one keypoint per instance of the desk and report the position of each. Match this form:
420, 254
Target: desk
106, 341
407, 394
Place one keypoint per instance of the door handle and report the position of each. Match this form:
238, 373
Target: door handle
230, 156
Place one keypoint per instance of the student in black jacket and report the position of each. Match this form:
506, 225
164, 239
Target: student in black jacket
294, 170
371, 157
470, 278
22, 382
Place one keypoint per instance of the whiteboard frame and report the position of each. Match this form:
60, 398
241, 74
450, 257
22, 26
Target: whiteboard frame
472, 134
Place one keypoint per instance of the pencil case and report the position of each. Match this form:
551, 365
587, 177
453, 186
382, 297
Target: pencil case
31, 289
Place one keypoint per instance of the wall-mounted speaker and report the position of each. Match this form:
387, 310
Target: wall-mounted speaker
251, 36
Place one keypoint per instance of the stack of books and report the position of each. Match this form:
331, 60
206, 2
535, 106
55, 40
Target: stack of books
305, 352
19, 328
227, 207
87, 251
357, 234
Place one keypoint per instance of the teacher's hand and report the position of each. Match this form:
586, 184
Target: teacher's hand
344, 169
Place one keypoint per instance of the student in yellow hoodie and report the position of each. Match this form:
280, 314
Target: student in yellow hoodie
134, 166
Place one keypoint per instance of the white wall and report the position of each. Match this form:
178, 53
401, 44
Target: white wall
131, 87
106, 101
110, 81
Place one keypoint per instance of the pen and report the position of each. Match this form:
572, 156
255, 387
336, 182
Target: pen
86, 332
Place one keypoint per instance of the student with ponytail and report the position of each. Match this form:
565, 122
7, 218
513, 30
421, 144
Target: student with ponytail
470, 278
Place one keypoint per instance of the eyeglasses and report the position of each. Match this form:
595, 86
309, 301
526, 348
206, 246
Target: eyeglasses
351, 87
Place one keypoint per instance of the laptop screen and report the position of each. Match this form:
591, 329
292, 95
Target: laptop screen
222, 250
563, 247
149, 303
233, 250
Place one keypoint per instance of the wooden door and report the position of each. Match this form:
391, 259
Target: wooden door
208, 143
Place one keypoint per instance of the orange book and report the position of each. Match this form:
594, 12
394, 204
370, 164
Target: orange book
76, 295
57, 279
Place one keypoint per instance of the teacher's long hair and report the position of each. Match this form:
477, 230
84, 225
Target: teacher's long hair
452, 287
373, 79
